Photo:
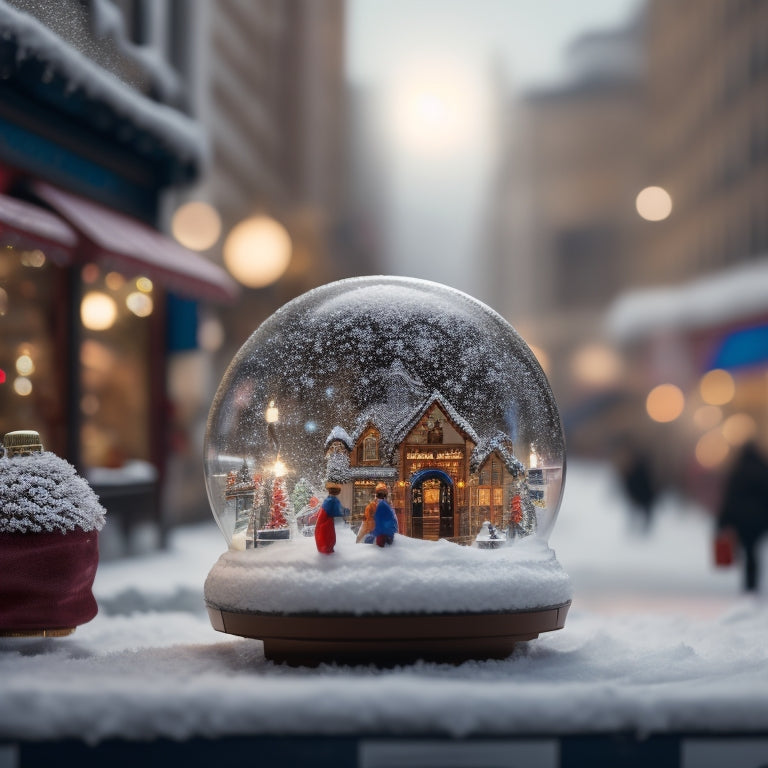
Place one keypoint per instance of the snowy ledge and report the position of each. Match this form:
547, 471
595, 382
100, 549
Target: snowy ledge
409, 577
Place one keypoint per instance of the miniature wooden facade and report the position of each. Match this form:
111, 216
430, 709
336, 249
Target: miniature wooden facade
444, 480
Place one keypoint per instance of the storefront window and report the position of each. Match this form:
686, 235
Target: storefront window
32, 358
114, 357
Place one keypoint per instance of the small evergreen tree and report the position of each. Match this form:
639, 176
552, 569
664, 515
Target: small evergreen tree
279, 511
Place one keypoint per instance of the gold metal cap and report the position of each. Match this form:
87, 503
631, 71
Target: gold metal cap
22, 443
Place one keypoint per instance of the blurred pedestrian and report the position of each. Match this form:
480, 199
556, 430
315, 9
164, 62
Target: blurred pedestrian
744, 508
639, 485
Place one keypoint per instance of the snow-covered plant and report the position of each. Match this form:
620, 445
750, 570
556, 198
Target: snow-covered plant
337, 468
43, 492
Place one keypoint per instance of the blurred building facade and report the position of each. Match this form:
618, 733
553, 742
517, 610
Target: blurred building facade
91, 137
619, 304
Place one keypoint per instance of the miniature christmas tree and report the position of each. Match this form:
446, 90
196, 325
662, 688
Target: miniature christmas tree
278, 512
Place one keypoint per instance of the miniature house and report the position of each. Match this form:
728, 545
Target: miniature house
444, 479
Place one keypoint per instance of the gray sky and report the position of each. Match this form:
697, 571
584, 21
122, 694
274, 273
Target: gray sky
437, 189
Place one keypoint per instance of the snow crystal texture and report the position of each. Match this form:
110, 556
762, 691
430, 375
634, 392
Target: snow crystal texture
43, 492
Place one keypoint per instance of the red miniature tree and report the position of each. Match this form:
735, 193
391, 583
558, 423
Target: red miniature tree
279, 506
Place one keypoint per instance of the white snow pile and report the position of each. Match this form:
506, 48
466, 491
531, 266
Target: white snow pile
43, 492
409, 576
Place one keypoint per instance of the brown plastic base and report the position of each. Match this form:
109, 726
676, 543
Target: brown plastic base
310, 639
60, 632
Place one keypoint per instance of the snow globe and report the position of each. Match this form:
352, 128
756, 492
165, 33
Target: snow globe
385, 459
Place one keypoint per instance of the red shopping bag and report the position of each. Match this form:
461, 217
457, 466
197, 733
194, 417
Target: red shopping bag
724, 548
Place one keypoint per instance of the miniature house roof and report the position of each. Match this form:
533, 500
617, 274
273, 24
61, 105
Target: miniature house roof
402, 430
340, 434
502, 445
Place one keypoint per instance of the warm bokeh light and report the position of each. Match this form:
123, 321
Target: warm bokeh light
25, 365
22, 386
98, 311
717, 387
35, 259
90, 273
139, 303
739, 428
89, 404
114, 280
596, 365
279, 469
272, 414
712, 449
144, 284
257, 251
3, 302
210, 334
654, 203
707, 416
665, 403
196, 225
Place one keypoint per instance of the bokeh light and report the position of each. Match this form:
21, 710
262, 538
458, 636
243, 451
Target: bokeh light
98, 311
144, 284
25, 366
139, 303
596, 365
712, 449
739, 428
114, 281
654, 203
257, 251
196, 225
22, 386
707, 416
717, 387
665, 403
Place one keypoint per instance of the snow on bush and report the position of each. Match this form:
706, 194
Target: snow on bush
43, 492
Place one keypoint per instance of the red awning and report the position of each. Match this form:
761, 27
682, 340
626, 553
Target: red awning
127, 245
24, 225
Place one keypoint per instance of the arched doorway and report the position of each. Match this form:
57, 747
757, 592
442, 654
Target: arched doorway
431, 505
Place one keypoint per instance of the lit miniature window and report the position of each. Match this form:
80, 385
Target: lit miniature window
498, 497
370, 448
484, 497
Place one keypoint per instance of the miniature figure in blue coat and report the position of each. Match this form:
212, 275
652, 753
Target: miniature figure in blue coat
325, 528
384, 519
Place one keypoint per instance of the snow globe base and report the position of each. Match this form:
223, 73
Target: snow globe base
311, 639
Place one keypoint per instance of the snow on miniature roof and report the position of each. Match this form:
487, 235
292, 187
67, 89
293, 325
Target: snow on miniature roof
500, 443
340, 434
180, 134
725, 296
43, 492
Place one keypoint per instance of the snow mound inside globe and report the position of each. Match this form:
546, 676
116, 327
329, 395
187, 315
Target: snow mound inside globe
397, 381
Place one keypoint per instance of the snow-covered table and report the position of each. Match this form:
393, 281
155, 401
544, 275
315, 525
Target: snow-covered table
674, 682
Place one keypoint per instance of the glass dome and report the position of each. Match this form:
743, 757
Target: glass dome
385, 380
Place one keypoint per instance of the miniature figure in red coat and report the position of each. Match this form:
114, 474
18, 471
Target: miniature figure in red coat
325, 528
385, 520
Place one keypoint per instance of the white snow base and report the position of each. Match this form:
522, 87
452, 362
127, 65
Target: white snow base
408, 577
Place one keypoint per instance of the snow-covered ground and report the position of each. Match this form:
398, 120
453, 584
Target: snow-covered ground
656, 641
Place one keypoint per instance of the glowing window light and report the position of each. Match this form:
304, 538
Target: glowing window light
712, 449
257, 251
22, 386
739, 428
139, 303
653, 203
196, 225
665, 403
25, 365
98, 311
144, 284
707, 416
717, 387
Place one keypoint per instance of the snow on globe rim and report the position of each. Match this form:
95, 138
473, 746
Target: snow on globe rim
422, 396
367, 358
